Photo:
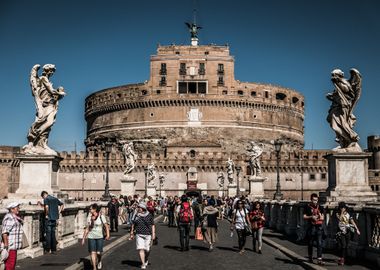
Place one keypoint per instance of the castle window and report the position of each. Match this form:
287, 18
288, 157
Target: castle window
202, 88
323, 176
182, 87
163, 81
144, 92
192, 87
206, 53
201, 70
158, 92
253, 93
151, 114
220, 69
266, 94
240, 93
376, 174
224, 92
177, 52
295, 100
280, 96
163, 69
312, 177
192, 153
220, 80
182, 69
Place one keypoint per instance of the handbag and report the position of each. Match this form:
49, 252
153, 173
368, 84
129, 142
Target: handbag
104, 229
198, 234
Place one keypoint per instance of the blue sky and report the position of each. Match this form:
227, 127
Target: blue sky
100, 44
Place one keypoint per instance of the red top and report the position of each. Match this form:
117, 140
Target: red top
254, 216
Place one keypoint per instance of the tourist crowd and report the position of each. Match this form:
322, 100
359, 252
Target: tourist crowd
199, 215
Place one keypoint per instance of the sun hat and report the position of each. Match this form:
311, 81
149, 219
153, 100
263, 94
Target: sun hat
12, 205
142, 205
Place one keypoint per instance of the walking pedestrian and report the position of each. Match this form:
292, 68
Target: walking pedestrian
145, 230
240, 222
53, 208
11, 233
164, 209
113, 213
314, 215
257, 219
171, 208
196, 206
184, 216
96, 231
346, 226
210, 224
151, 205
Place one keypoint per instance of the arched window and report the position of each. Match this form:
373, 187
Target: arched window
280, 96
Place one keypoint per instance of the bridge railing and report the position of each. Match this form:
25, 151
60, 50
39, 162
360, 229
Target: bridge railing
287, 218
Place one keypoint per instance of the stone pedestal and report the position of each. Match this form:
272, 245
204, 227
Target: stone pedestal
128, 186
348, 178
151, 191
231, 190
256, 186
37, 173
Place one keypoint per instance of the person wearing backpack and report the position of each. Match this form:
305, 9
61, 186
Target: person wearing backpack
185, 216
314, 216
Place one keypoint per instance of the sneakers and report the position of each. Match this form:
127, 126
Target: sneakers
210, 248
143, 266
320, 262
260, 252
341, 261
100, 265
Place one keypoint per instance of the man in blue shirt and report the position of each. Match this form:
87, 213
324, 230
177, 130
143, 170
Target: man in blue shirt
53, 207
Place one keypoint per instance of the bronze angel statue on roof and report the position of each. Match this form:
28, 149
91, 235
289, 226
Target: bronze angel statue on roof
343, 101
193, 28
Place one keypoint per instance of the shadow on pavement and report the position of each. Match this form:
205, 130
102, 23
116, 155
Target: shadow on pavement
199, 248
228, 248
86, 263
131, 263
172, 247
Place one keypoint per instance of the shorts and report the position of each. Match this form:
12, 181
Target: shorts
95, 245
143, 241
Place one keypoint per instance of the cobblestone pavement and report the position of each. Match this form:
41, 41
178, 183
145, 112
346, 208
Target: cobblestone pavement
166, 254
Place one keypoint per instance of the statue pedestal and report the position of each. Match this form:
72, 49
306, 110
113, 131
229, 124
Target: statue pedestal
231, 190
256, 186
37, 173
151, 191
348, 178
128, 186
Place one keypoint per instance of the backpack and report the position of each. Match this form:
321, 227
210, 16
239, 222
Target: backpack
185, 215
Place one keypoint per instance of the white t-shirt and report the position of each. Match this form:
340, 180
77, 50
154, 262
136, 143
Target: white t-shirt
96, 232
240, 220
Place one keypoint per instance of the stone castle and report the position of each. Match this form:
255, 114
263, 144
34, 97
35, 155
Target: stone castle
190, 117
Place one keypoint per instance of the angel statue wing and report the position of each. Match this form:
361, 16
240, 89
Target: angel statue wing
34, 79
356, 84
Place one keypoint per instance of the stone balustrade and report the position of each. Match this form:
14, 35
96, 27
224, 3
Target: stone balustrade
69, 229
287, 217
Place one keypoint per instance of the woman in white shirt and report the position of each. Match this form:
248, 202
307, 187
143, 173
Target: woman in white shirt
96, 235
240, 221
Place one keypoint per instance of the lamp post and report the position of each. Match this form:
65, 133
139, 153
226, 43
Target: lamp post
83, 171
108, 149
277, 146
146, 181
238, 169
301, 165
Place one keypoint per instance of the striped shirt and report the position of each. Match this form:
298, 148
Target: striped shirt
12, 225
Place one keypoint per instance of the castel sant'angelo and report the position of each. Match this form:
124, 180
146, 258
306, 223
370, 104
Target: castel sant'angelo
189, 118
